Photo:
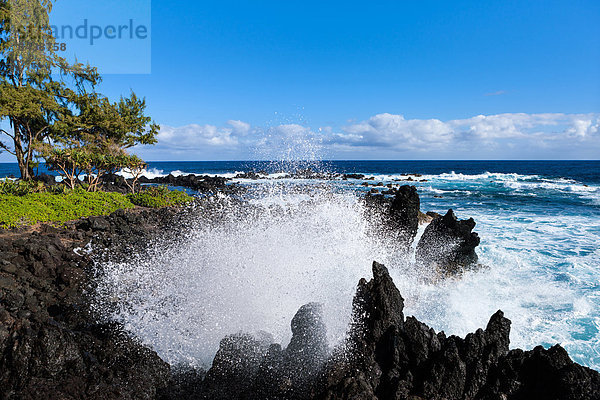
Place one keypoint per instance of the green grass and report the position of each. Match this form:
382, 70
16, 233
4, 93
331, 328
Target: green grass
17, 210
58, 208
158, 197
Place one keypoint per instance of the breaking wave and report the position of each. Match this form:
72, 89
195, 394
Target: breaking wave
254, 265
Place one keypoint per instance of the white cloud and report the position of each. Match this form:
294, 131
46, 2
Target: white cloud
239, 127
493, 126
389, 130
582, 128
524, 125
509, 135
395, 131
197, 136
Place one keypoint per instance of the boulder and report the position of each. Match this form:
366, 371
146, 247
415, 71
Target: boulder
234, 367
448, 245
307, 351
250, 367
399, 214
45, 178
353, 176
308, 346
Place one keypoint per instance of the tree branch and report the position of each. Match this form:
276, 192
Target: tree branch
5, 147
7, 134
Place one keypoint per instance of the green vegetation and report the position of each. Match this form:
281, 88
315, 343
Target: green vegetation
157, 197
24, 203
57, 208
21, 188
55, 115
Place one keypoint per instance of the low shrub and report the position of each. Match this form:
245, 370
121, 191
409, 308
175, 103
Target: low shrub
21, 188
159, 196
17, 210
23, 203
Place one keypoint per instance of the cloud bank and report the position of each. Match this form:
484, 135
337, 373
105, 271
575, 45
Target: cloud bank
389, 136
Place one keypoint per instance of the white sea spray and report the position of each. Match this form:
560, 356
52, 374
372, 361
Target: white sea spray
304, 241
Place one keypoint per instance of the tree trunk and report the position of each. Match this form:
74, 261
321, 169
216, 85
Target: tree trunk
24, 168
26, 171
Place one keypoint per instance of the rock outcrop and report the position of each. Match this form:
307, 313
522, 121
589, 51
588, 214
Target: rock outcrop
448, 244
51, 346
253, 367
393, 358
387, 356
399, 214
235, 367
200, 183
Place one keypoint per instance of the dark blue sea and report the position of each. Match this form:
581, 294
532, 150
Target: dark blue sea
583, 171
539, 223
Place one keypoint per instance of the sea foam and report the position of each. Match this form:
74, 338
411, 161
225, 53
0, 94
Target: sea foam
303, 242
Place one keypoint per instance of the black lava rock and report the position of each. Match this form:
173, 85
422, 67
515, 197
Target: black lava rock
353, 176
51, 345
48, 180
400, 214
251, 367
448, 244
390, 358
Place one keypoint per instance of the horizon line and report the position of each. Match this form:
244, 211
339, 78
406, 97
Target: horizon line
356, 160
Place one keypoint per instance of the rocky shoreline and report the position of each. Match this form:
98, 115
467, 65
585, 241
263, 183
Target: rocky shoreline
50, 344
387, 356
53, 346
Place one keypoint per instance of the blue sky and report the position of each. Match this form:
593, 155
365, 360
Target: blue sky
364, 80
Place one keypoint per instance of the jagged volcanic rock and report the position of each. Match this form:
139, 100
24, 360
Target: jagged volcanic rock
353, 176
235, 366
50, 344
52, 347
248, 367
308, 348
448, 244
389, 358
400, 214
201, 183
405, 211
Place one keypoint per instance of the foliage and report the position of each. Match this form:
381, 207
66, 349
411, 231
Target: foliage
70, 163
135, 166
30, 202
58, 208
21, 188
29, 97
159, 196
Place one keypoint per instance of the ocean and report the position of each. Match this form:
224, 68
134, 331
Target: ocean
539, 223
